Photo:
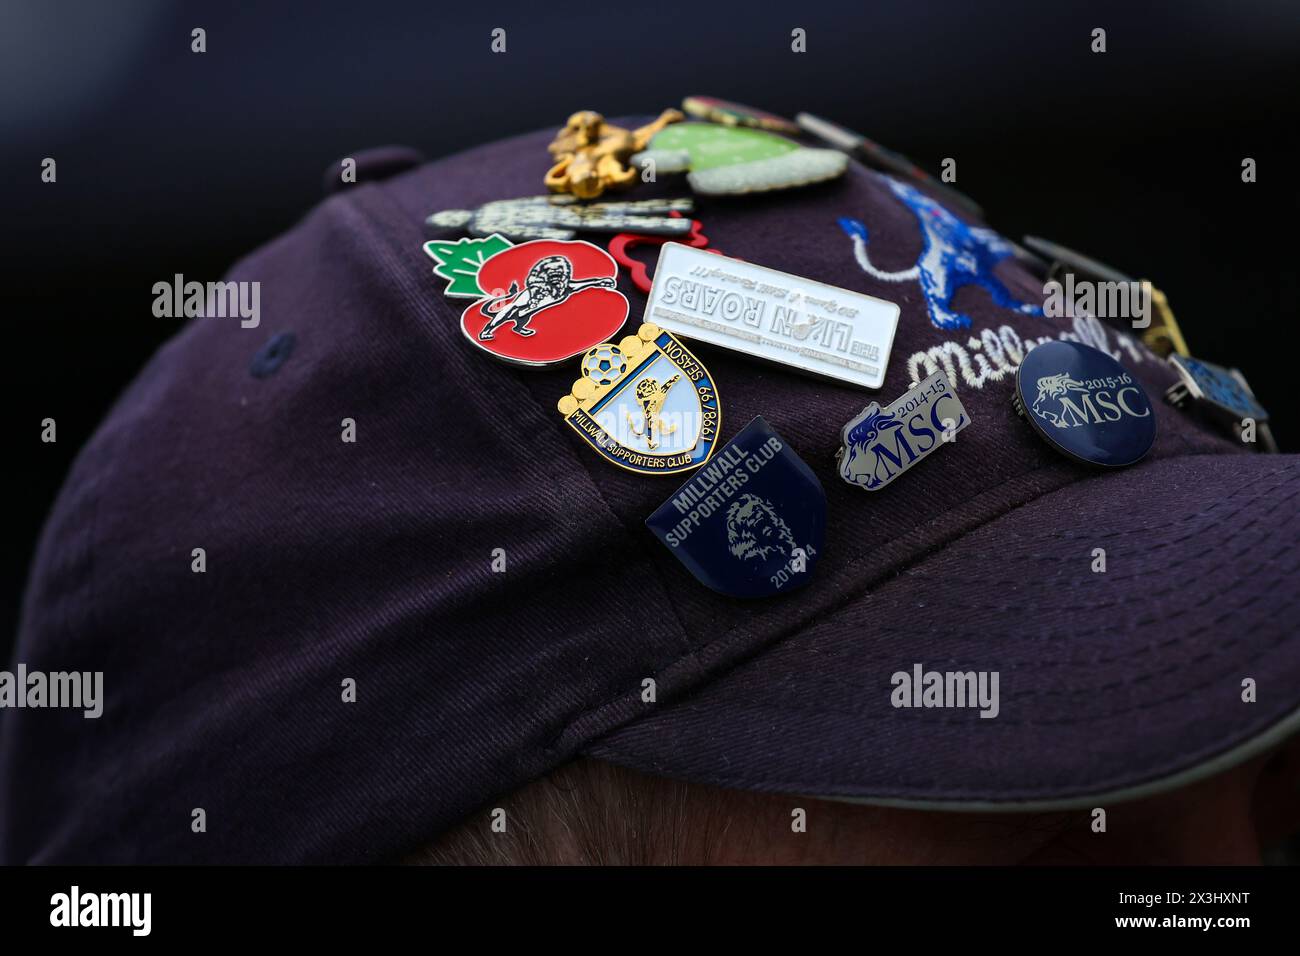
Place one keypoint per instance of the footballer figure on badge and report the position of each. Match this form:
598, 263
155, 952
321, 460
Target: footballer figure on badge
651, 396
550, 281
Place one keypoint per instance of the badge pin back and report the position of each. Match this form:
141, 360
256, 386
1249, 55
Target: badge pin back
728, 113
1219, 394
545, 301
879, 444
752, 522
1085, 405
800, 323
645, 404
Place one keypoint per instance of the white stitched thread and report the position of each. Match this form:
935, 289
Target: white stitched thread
860, 253
1007, 350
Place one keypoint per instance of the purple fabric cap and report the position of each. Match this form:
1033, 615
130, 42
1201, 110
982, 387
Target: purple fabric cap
372, 561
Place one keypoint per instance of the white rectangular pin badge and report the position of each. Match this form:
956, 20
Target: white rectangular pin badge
813, 327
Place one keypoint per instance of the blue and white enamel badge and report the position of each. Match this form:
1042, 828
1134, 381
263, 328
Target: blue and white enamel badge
881, 444
1085, 404
646, 404
750, 523
1221, 395
1221, 389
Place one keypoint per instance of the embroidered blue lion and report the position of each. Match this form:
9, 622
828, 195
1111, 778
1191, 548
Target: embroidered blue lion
859, 435
954, 255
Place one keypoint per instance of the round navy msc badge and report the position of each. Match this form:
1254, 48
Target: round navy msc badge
751, 522
646, 404
1085, 404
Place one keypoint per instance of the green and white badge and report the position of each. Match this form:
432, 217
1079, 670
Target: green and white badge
725, 160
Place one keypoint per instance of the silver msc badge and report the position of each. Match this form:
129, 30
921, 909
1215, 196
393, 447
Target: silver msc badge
809, 326
881, 444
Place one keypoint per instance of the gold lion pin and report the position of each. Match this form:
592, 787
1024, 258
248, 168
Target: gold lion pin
646, 404
591, 155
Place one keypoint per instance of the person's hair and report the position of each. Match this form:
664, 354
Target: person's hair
594, 813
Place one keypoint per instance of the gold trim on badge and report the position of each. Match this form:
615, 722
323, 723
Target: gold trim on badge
586, 393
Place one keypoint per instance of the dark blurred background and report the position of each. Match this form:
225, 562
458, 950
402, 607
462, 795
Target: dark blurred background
171, 161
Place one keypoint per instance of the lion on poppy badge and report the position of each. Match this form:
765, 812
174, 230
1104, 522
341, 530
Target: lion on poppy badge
545, 301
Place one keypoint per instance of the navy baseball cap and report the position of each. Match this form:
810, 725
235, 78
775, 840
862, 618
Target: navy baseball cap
376, 564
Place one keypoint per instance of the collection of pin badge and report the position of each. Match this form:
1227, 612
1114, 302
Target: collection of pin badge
750, 521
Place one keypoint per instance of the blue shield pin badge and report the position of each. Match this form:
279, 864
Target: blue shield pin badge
751, 523
881, 443
646, 404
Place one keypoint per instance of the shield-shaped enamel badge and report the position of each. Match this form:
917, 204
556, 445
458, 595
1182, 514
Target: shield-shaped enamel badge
646, 404
751, 522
